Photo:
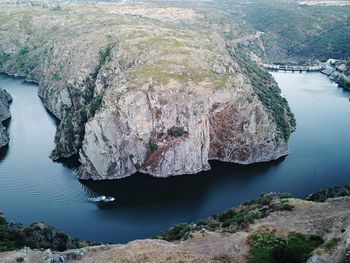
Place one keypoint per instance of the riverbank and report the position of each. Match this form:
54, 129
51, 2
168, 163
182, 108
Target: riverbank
339, 71
319, 227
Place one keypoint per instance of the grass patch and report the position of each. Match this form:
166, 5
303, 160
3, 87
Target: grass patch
163, 72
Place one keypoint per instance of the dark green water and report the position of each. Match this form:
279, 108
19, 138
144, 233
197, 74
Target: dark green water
33, 188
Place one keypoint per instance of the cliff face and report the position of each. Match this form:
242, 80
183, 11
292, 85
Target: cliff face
177, 130
5, 100
141, 89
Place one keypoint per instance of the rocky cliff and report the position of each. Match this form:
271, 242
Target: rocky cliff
5, 100
152, 89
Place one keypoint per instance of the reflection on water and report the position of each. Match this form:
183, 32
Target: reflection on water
142, 190
33, 188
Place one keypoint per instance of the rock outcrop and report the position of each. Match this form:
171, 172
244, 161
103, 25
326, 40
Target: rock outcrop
5, 100
154, 92
339, 71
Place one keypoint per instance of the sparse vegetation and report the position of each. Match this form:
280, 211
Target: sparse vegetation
233, 219
22, 56
330, 244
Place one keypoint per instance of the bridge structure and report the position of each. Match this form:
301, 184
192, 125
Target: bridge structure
293, 68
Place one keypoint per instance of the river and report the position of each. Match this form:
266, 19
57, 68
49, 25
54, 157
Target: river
34, 188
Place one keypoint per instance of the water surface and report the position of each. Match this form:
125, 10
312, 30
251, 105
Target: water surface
33, 188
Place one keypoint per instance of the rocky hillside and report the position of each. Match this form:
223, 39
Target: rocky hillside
293, 31
150, 88
272, 228
5, 100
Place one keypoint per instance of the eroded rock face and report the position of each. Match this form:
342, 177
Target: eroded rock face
135, 94
5, 100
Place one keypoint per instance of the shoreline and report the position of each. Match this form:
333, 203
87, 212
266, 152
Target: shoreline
232, 226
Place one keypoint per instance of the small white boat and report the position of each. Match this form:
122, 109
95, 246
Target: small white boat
102, 198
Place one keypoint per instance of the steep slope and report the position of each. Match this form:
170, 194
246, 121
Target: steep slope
151, 89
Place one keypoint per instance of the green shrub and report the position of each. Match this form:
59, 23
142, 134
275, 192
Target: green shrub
20, 259
262, 247
56, 8
177, 232
22, 57
227, 215
163, 101
346, 259
176, 132
152, 145
3, 58
55, 76
344, 82
28, 231
286, 195
285, 207
105, 56
330, 244
269, 248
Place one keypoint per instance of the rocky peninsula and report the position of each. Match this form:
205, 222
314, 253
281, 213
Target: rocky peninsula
144, 90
